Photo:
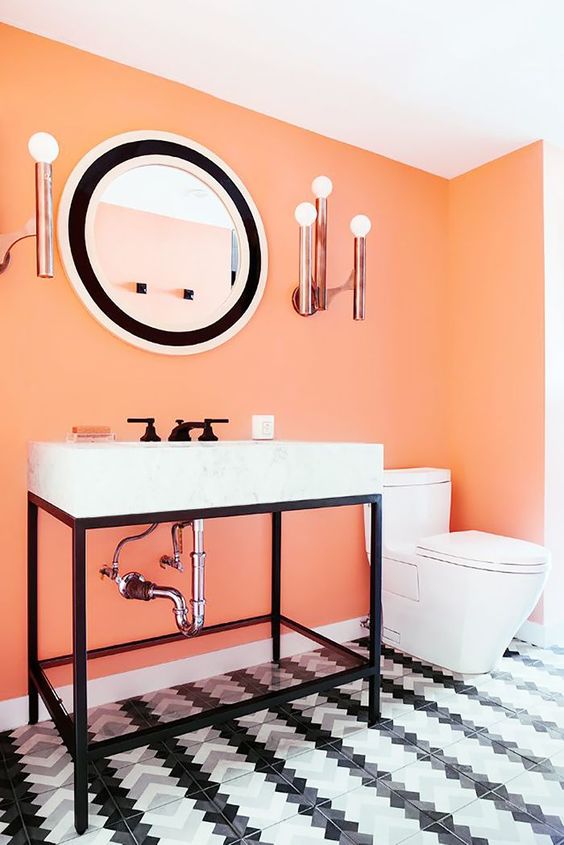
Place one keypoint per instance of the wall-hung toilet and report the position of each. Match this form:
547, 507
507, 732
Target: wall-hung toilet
454, 599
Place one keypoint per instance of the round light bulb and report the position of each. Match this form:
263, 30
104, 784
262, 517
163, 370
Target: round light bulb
43, 147
322, 187
305, 214
361, 225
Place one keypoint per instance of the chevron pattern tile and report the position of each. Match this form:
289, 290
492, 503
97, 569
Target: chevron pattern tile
455, 759
113, 720
169, 704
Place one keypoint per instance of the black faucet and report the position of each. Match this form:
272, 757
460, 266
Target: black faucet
150, 435
182, 429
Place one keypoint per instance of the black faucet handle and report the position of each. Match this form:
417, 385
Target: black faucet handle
150, 435
208, 432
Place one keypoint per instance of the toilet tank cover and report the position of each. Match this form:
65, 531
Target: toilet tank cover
415, 476
481, 547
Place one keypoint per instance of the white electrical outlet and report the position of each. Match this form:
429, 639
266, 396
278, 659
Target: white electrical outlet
263, 426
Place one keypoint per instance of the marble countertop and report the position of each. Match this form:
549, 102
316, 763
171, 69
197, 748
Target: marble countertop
128, 477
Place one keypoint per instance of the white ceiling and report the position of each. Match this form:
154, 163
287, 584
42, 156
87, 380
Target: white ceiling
444, 85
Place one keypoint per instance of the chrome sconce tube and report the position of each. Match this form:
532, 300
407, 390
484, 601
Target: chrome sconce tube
360, 227
305, 215
312, 293
44, 149
359, 279
321, 187
44, 219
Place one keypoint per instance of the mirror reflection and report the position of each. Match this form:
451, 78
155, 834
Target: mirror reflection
166, 247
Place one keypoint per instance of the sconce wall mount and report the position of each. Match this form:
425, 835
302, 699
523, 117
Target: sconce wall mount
312, 293
44, 149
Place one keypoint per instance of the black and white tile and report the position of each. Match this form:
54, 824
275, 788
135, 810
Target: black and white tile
455, 759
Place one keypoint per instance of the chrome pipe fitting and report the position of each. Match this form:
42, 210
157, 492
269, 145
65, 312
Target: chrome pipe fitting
133, 585
174, 560
113, 572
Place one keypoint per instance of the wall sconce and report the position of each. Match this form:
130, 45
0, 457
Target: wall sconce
312, 293
44, 149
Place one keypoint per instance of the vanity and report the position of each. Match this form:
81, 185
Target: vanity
165, 247
183, 483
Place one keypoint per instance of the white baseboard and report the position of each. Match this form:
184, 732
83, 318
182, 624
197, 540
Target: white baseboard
541, 635
13, 712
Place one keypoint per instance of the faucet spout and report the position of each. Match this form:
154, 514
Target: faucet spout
182, 429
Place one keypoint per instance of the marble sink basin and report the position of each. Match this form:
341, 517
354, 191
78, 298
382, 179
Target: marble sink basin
111, 479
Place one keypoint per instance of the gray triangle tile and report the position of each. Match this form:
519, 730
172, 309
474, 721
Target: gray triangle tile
194, 820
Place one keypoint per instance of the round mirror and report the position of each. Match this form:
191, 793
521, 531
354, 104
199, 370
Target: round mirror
162, 242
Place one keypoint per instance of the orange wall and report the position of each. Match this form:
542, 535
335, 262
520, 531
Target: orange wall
496, 346
325, 377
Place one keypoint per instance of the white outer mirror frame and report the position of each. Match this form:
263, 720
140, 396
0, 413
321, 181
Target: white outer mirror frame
80, 194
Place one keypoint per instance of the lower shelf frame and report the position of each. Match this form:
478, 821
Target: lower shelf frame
74, 729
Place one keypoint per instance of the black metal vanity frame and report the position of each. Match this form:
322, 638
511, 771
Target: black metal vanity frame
73, 728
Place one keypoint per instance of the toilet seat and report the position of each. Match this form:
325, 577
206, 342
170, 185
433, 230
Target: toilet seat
480, 550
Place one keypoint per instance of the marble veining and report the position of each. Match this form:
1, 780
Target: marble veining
109, 479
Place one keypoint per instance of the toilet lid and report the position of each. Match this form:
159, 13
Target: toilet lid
481, 550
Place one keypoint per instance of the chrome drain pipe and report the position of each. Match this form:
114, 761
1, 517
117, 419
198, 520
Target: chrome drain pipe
133, 585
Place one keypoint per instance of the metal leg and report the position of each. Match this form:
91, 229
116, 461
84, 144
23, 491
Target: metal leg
79, 678
275, 593
375, 630
32, 602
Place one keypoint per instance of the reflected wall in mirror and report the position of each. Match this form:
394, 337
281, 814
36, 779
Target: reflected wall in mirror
165, 229
162, 242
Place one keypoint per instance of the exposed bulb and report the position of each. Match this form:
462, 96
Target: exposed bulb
43, 147
322, 187
305, 213
361, 225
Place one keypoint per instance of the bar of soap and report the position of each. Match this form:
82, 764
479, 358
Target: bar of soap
91, 429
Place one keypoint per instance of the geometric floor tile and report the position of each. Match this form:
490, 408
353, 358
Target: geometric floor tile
301, 829
258, 800
12, 830
49, 816
428, 728
373, 813
192, 820
148, 785
167, 705
434, 787
473, 759
323, 774
112, 720
497, 823
278, 739
486, 761
379, 751
537, 796
333, 720
218, 760
535, 741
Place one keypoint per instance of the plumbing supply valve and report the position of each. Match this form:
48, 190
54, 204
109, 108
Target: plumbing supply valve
169, 560
108, 572
175, 560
